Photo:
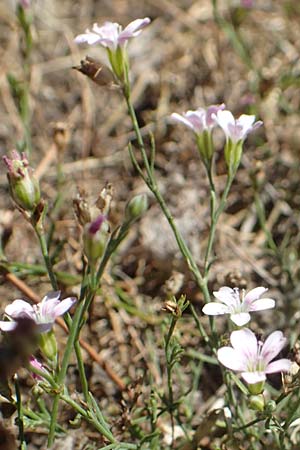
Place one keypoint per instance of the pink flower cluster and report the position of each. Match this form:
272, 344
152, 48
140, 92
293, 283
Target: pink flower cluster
235, 129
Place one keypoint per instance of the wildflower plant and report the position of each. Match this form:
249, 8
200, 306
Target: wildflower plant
242, 358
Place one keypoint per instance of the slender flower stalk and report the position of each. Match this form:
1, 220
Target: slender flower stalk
238, 305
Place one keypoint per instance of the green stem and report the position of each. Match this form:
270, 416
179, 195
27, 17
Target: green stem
23, 445
73, 334
43, 244
215, 214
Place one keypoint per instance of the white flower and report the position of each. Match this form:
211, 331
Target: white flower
43, 314
111, 35
199, 120
252, 357
236, 129
239, 307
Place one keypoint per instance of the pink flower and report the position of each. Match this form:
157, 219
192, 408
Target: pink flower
236, 129
37, 365
252, 357
111, 35
199, 120
239, 307
43, 314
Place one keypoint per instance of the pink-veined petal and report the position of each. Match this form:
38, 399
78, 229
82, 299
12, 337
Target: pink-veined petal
224, 118
226, 295
215, 309
273, 345
181, 119
245, 343
240, 319
89, 37
211, 114
281, 365
133, 29
64, 306
246, 121
254, 377
254, 294
262, 304
230, 359
197, 119
20, 308
7, 326
48, 304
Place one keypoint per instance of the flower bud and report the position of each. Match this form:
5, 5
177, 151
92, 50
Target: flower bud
95, 238
136, 207
48, 345
257, 402
24, 188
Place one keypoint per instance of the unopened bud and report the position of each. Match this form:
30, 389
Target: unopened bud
257, 402
95, 238
24, 188
48, 345
136, 207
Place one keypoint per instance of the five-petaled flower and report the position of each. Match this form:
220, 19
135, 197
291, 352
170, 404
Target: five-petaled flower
238, 306
236, 129
43, 314
253, 358
114, 39
111, 35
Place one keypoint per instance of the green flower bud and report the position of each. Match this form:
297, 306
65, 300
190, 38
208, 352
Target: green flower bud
205, 146
48, 345
136, 207
257, 402
95, 238
24, 188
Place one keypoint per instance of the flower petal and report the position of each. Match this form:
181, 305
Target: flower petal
240, 319
64, 306
261, 304
281, 365
273, 345
245, 343
224, 118
254, 294
229, 357
20, 308
215, 309
7, 326
133, 29
254, 377
226, 295
89, 37
181, 119
48, 304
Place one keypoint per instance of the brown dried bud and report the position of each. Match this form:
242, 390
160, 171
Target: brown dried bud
61, 136
101, 75
171, 307
105, 198
81, 208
